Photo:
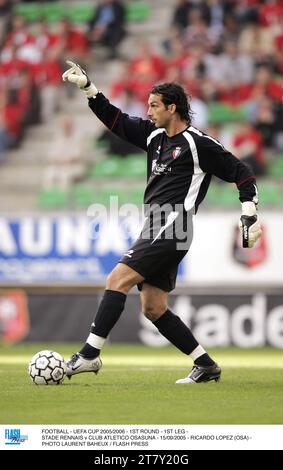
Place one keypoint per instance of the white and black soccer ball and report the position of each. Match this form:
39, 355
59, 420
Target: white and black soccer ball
47, 368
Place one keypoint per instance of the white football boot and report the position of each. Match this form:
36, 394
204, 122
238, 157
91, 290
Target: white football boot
78, 364
202, 374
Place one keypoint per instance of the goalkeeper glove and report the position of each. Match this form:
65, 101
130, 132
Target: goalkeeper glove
249, 225
78, 76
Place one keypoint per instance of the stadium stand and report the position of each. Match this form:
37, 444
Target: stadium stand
76, 12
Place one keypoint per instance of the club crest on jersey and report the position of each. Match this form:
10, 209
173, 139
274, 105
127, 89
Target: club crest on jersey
176, 152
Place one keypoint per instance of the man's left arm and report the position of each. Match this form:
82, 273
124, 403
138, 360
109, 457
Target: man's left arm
216, 160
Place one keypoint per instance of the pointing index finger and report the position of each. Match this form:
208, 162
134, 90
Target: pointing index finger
71, 63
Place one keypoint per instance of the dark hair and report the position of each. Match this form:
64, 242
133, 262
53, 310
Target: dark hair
173, 93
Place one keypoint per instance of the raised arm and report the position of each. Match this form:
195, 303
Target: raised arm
132, 129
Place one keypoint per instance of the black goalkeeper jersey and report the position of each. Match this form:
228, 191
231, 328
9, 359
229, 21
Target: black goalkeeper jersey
179, 168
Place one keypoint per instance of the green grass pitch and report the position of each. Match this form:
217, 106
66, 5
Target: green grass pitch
137, 386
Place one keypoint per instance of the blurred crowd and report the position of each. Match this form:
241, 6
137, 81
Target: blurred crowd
227, 53
229, 56
32, 59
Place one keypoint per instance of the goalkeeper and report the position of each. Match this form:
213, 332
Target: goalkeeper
180, 162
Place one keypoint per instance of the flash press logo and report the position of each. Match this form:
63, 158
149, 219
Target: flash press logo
13, 437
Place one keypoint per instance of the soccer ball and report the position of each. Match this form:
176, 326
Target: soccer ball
47, 368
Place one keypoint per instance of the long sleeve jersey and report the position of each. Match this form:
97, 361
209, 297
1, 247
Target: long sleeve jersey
179, 168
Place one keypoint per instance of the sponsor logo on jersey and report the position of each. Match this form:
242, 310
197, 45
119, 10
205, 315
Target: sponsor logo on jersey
161, 168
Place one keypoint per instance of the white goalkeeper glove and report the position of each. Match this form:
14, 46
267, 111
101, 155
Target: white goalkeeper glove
77, 75
249, 225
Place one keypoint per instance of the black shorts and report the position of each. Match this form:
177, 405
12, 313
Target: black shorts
157, 260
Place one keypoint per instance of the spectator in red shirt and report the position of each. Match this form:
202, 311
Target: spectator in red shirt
278, 33
270, 11
248, 146
47, 75
44, 38
19, 34
146, 61
11, 66
73, 43
179, 56
266, 85
140, 83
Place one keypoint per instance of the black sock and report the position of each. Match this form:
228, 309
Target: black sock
176, 332
109, 312
204, 360
89, 352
